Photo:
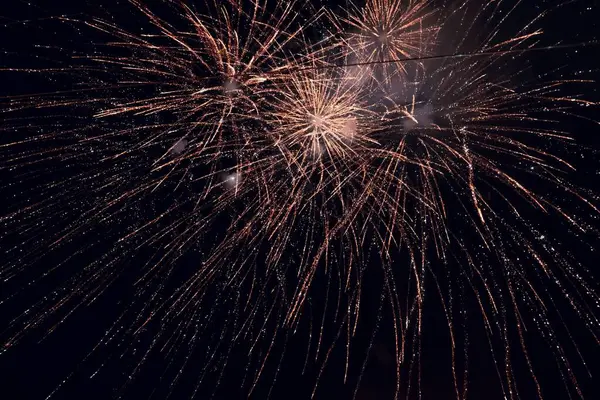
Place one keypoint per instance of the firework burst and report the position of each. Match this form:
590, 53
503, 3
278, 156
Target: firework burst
227, 134
383, 30
320, 113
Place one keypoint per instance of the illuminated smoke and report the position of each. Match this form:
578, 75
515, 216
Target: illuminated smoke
232, 181
422, 117
179, 146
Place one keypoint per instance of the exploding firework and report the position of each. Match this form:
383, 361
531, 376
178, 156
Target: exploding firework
292, 180
384, 30
318, 113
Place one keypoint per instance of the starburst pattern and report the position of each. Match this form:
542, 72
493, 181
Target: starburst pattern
384, 30
228, 134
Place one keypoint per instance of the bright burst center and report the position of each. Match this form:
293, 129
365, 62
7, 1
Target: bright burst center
317, 121
383, 38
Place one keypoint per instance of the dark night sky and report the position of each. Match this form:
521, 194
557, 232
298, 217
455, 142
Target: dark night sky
33, 369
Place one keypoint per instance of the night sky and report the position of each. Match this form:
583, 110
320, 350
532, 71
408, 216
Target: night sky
36, 366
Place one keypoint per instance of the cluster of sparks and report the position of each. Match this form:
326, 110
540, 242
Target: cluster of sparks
280, 161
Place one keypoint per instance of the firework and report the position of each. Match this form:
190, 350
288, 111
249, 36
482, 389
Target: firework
229, 134
384, 30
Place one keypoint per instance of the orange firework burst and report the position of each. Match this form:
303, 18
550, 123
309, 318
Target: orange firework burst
214, 67
228, 134
318, 112
385, 30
